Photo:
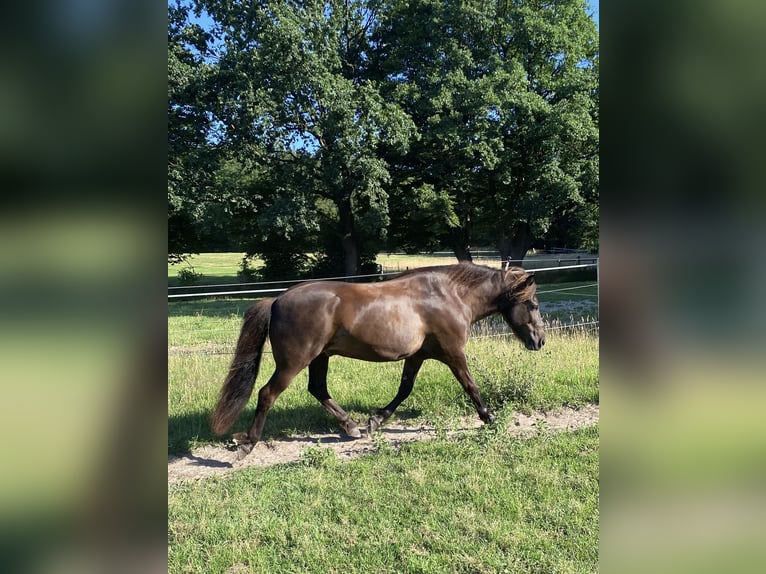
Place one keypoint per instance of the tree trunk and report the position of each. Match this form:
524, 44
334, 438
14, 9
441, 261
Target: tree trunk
504, 245
460, 238
348, 240
350, 256
521, 242
515, 247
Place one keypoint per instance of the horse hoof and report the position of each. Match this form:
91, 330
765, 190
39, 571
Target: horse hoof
373, 424
244, 444
354, 432
351, 430
243, 450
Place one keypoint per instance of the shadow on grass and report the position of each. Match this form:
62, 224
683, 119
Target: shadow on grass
187, 430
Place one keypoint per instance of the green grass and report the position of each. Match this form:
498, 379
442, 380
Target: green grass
509, 377
202, 335
482, 502
486, 502
217, 268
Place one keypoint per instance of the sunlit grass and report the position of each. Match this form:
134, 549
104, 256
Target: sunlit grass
223, 267
486, 502
200, 349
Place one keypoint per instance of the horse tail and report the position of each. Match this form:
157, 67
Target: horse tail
240, 381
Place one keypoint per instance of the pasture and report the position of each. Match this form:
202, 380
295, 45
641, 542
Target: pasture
216, 268
481, 500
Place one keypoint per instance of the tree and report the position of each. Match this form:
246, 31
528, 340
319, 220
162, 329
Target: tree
505, 97
192, 158
292, 80
272, 212
549, 125
336, 127
434, 69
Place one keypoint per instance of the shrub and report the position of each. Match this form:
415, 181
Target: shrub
188, 276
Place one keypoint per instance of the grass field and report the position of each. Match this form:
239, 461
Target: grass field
565, 372
483, 502
217, 268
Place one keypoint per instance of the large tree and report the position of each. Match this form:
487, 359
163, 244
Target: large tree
191, 157
549, 124
431, 61
292, 80
331, 126
504, 95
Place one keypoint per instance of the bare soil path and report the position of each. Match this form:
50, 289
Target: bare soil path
214, 460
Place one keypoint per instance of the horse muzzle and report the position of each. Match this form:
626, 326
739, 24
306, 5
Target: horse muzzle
535, 343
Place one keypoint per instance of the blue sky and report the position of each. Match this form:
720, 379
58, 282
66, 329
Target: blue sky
593, 4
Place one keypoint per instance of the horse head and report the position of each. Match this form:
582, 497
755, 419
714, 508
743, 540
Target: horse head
520, 308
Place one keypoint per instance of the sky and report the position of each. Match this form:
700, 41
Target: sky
593, 4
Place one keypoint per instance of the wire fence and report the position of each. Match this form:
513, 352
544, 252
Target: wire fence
481, 330
344, 278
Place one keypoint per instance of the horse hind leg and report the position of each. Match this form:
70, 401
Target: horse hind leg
269, 393
410, 371
318, 388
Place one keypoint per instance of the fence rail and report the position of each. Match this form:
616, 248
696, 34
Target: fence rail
226, 347
578, 265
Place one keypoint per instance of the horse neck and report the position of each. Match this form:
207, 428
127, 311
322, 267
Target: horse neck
483, 297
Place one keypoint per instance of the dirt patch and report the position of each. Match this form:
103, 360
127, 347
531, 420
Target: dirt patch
211, 460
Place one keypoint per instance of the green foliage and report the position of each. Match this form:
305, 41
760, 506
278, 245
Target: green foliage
246, 272
504, 95
188, 276
340, 127
501, 382
421, 216
189, 157
292, 81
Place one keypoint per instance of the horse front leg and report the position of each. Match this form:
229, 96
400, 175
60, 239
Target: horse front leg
459, 368
410, 371
318, 388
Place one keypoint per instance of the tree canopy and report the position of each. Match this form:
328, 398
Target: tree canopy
338, 128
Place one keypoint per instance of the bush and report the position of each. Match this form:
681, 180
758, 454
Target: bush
246, 273
188, 276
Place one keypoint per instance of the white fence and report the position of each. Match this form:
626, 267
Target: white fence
281, 289
499, 329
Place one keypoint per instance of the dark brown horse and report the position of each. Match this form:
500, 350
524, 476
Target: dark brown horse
418, 315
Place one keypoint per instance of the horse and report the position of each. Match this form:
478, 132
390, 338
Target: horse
420, 314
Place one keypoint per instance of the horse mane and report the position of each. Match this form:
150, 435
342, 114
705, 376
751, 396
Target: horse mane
464, 273
472, 276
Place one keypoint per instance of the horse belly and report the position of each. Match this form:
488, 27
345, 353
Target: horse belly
373, 348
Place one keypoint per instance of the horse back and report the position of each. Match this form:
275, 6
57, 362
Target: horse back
375, 321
